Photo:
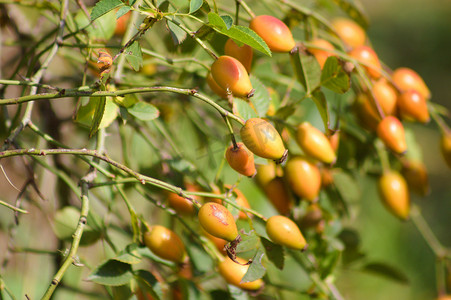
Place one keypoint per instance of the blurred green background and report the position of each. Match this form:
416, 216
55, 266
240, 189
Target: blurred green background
415, 34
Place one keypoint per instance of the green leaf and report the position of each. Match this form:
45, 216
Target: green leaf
228, 21
129, 255
308, 71
244, 109
239, 33
122, 11
112, 273
387, 271
236, 293
178, 35
134, 56
354, 11
85, 113
149, 283
249, 242
101, 29
144, 111
256, 269
347, 187
321, 104
261, 98
329, 262
194, 5
98, 114
274, 253
104, 6
334, 77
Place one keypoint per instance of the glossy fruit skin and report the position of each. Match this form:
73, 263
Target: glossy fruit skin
407, 79
314, 143
231, 75
241, 159
445, 147
391, 131
121, 24
218, 221
283, 231
265, 173
303, 177
219, 243
413, 107
279, 195
366, 112
233, 273
165, 243
244, 53
274, 32
367, 55
386, 96
215, 87
334, 140
349, 32
182, 205
394, 193
321, 55
262, 139
416, 176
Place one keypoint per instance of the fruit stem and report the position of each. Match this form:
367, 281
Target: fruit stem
246, 8
429, 236
248, 210
382, 153
193, 36
368, 85
444, 129
232, 135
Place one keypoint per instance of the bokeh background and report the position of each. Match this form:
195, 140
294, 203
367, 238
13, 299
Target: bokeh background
411, 33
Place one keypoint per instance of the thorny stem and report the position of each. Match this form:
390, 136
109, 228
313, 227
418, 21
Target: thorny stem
139, 177
71, 256
92, 93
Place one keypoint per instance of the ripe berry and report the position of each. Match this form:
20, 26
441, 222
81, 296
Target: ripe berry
416, 176
386, 96
265, 173
263, 140
366, 112
244, 53
413, 107
394, 193
391, 131
231, 75
445, 147
303, 177
349, 31
283, 231
218, 221
367, 55
215, 87
121, 24
314, 143
165, 243
407, 79
274, 32
182, 205
241, 159
321, 55
279, 195
219, 243
233, 273
334, 140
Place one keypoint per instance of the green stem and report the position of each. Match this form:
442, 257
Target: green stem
70, 258
83, 91
429, 236
246, 8
383, 156
13, 207
444, 129
171, 61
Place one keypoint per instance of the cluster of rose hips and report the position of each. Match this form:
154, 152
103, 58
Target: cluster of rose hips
380, 106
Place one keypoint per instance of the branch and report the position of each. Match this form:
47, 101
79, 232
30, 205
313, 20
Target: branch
91, 93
